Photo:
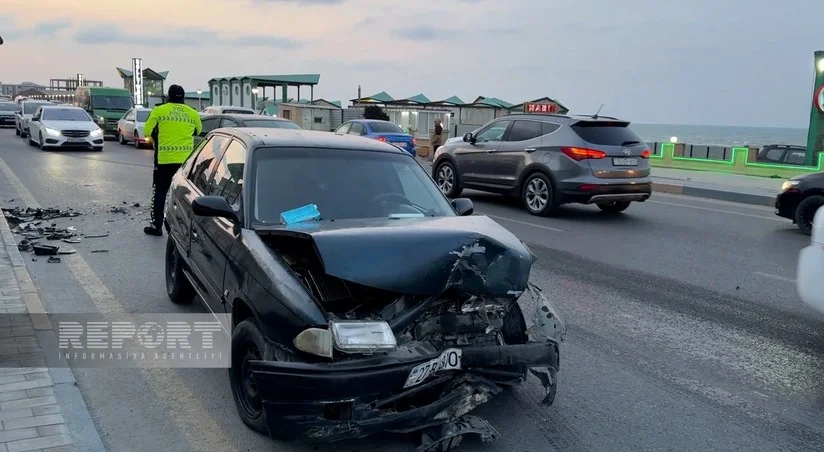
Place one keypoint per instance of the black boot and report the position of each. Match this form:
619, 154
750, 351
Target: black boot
151, 230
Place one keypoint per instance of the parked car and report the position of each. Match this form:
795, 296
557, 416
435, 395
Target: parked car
385, 131
64, 127
810, 268
227, 109
27, 109
782, 154
548, 160
425, 327
800, 199
8, 110
130, 127
105, 105
212, 122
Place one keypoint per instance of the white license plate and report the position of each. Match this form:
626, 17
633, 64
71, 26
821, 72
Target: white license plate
625, 162
450, 359
75, 140
400, 143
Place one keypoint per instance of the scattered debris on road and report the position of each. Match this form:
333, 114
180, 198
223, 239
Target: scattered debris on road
44, 250
17, 215
98, 236
100, 251
54, 260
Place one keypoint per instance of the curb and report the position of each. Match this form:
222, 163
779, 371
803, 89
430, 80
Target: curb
721, 195
76, 413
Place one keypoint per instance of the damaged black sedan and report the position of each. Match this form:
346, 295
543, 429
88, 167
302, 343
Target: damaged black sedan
362, 299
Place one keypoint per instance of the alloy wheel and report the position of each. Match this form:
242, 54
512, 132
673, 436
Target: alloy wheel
446, 179
537, 194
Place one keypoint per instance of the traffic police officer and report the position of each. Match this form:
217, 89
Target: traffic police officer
172, 127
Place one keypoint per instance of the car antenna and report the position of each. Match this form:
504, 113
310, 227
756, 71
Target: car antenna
595, 116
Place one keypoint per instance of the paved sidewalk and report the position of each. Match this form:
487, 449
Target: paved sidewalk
41, 408
705, 184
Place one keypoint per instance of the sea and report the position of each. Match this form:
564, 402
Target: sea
721, 135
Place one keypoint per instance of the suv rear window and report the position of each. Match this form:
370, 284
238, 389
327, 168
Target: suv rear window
607, 134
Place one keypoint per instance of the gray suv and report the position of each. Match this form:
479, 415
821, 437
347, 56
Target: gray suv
547, 160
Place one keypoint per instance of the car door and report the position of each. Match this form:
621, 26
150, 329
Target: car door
198, 183
217, 235
797, 157
772, 155
35, 124
471, 158
502, 166
209, 124
129, 124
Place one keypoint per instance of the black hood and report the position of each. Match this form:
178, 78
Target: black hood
422, 256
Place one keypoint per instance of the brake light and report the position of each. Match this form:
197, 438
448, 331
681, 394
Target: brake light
579, 154
381, 138
587, 187
645, 154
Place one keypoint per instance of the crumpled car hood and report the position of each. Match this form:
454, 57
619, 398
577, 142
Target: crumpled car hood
420, 256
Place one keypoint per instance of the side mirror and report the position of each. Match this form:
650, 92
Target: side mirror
463, 206
467, 137
214, 206
33, 119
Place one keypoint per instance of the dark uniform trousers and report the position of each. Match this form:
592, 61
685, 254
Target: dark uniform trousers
161, 181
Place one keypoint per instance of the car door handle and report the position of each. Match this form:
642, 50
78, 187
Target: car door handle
194, 235
530, 150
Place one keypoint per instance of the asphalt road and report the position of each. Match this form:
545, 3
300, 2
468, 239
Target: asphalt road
685, 331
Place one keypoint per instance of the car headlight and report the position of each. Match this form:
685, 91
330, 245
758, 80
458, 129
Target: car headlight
96, 132
347, 336
52, 132
101, 120
789, 184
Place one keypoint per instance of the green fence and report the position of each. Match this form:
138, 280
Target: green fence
738, 164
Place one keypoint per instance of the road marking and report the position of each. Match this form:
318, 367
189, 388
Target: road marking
188, 413
526, 223
780, 278
750, 215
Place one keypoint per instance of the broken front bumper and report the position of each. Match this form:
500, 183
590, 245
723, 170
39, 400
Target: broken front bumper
357, 398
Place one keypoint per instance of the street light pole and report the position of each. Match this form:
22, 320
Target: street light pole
199, 101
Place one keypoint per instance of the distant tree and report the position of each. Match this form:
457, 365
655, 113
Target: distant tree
375, 112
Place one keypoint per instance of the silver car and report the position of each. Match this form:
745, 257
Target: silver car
548, 160
66, 127
27, 109
8, 110
130, 127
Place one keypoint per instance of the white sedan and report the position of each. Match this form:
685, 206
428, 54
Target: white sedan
130, 127
64, 127
810, 273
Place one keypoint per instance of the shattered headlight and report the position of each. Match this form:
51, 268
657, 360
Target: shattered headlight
316, 341
356, 336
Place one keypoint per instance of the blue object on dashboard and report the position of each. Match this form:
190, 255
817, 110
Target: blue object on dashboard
308, 212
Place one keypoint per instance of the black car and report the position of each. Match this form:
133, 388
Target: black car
212, 122
800, 198
782, 154
8, 110
390, 308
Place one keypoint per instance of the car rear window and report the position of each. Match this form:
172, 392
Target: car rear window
607, 134
384, 127
270, 123
238, 112
142, 115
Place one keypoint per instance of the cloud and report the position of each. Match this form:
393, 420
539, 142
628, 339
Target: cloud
185, 37
425, 33
301, 2
48, 29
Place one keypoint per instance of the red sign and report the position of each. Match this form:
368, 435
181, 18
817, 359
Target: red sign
818, 99
530, 107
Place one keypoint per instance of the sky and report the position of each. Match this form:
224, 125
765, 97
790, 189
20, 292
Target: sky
713, 62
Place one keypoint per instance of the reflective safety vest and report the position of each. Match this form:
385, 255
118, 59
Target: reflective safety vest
176, 126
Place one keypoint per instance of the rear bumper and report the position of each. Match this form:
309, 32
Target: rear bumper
573, 193
352, 399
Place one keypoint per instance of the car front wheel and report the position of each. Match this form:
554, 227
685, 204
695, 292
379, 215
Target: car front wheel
120, 137
17, 131
805, 212
614, 207
248, 344
447, 179
178, 288
538, 195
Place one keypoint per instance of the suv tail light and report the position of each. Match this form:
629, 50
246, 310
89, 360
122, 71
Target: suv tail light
381, 138
645, 154
579, 154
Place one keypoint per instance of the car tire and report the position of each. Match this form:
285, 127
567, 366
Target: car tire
178, 287
31, 142
120, 138
248, 344
805, 212
17, 131
614, 207
136, 143
538, 195
447, 180
40, 142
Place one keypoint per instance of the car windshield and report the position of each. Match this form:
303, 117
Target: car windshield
112, 103
142, 115
384, 127
30, 107
343, 184
270, 123
8, 106
65, 114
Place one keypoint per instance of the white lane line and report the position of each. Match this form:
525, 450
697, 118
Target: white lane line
780, 278
184, 407
750, 215
526, 223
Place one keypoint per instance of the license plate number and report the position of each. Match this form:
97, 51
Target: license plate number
75, 140
450, 359
625, 162
400, 143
